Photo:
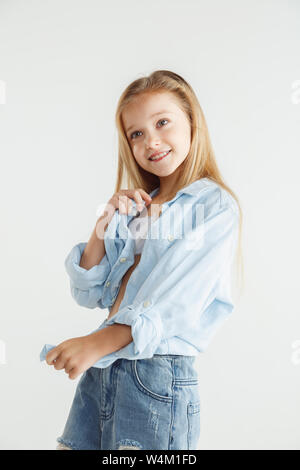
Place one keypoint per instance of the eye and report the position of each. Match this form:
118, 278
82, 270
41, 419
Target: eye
132, 135
163, 120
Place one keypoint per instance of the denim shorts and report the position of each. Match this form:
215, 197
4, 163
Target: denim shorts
136, 404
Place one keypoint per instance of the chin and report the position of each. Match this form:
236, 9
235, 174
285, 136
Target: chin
164, 172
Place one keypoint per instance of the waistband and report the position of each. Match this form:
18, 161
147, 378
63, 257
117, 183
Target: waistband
183, 367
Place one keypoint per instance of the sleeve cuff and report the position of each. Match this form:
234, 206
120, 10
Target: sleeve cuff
146, 331
85, 278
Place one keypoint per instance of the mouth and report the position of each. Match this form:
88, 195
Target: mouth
160, 158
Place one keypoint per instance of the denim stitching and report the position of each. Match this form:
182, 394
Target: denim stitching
172, 408
193, 408
99, 410
145, 389
186, 382
115, 367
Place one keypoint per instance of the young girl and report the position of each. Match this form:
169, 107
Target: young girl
163, 273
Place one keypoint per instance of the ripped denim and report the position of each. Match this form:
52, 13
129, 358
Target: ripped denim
147, 404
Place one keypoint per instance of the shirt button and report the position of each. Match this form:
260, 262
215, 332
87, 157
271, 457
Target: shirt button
146, 303
170, 238
122, 260
107, 284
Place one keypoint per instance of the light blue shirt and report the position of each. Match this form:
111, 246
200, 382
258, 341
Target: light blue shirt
180, 292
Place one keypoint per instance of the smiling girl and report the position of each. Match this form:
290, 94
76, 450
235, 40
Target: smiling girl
167, 294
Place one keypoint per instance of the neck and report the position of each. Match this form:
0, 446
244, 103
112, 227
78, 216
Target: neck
167, 183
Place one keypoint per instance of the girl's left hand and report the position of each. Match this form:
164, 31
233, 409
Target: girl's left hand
75, 355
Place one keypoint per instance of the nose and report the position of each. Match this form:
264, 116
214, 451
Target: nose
152, 140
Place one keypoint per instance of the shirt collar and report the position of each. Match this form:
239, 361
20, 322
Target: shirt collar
192, 189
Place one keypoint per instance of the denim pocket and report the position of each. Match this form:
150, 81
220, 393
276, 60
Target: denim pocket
193, 416
154, 377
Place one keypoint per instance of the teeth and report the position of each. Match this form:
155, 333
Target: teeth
159, 155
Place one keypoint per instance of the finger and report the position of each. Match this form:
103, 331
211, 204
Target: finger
127, 202
122, 204
140, 193
59, 363
122, 208
52, 355
73, 373
145, 195
139, 200
68, 367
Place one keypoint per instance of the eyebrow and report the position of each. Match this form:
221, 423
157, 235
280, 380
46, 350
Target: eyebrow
155, 114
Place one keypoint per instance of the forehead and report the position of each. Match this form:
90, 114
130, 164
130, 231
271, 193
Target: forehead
147, 104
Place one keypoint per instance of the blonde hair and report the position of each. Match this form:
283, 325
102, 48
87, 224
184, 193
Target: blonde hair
200, 161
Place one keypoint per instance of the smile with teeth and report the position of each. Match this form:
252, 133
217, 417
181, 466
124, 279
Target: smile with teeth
159, 156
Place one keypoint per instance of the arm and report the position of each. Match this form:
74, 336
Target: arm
76, 355
112, 338
95, 249
97, 285
90, 265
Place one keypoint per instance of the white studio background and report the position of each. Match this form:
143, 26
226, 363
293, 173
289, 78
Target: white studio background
63, 66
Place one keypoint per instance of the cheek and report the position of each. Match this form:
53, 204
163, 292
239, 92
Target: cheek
137, 151
186, 141
138, 155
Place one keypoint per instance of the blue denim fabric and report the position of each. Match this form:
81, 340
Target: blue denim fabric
142, 404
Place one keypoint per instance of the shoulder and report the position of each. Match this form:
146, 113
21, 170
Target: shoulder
213, 196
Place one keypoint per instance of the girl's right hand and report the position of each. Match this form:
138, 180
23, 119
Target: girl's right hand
122, 200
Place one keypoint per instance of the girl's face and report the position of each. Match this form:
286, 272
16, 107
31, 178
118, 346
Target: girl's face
153, 123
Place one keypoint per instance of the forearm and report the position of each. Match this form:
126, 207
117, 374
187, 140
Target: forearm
95, 248
112, 338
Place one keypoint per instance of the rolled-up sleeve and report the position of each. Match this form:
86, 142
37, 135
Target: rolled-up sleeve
186, 295
99, 285
86, 284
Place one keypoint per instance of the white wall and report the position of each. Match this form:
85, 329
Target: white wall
63, 66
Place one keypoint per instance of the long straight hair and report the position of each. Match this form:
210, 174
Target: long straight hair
200, 161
